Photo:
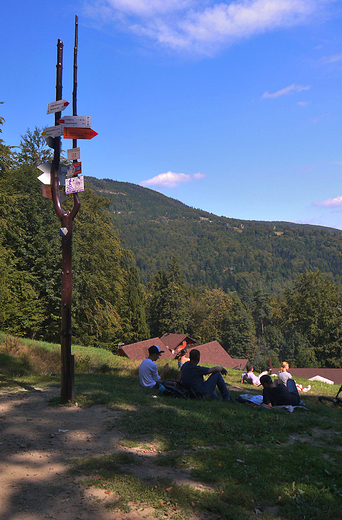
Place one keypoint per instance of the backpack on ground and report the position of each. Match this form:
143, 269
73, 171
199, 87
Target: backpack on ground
174, 388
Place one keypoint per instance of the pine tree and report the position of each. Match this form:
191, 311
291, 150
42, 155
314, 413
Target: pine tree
167, 301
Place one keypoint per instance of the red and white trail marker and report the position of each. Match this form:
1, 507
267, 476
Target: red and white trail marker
73, 154
56, 106
75, 121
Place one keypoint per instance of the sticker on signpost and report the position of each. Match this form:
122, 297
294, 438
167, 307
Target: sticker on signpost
74, 185
74, 154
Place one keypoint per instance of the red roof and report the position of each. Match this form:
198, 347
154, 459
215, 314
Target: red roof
213, 353
139, 351
334, 374
173, 341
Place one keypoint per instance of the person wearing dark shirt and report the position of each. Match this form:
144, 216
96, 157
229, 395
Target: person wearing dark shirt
191, 376
279, 395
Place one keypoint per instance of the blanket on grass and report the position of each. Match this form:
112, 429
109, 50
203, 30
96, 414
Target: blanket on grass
256, 400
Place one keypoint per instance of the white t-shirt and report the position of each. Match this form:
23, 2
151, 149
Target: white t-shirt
250, 377
148, 373
283, 377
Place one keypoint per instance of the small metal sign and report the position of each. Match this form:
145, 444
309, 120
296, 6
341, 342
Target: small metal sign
52, 131
74, 169
46, 191
73, 154
74, 184
56, 106
75, 121
77, 168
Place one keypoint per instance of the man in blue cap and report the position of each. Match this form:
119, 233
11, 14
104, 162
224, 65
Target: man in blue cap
148, 370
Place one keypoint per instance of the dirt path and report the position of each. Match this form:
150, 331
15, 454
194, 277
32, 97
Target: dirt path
37, 441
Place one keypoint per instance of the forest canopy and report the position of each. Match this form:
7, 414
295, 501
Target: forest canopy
265, 291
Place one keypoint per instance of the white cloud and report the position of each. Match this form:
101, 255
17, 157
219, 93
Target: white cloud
201, 26
330, 203
170, 179
331, 59
303, 103
144, 8
285, 91
316, 119
306, 169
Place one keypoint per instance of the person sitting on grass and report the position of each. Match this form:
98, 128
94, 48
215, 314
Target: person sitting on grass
279, 395
250, 377
182, 357
148, 370
191, 377
284, 376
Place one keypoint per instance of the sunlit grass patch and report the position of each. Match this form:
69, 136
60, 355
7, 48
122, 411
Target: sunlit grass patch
166, 498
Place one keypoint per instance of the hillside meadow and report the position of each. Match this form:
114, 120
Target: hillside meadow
183, 459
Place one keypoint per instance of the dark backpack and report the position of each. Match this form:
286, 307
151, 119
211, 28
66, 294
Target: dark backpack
175, 389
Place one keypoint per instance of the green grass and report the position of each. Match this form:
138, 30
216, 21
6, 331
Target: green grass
247, 459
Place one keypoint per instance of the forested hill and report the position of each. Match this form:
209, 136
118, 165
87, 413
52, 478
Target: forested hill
217, 251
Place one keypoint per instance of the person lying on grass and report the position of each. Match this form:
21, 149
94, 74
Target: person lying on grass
148, 370
279, 395
191, 377
250, 377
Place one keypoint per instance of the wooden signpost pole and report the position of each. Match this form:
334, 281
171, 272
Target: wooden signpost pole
71, 127
66, 219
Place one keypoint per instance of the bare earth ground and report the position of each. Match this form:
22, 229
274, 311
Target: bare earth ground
37, 441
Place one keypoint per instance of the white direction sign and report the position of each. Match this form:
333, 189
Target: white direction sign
56, 106
73, 154
76, 121
74, 185
45, 177
53, 131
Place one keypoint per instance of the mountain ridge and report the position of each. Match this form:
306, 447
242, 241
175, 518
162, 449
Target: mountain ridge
216, 251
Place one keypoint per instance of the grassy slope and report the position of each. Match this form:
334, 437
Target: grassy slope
285, 465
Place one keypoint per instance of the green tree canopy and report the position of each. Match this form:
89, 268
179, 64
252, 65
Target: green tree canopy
311, 318
167, 301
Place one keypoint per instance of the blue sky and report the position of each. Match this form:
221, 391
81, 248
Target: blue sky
233, 107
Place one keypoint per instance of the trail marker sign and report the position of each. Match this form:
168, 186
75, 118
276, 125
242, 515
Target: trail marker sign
75, 121
56, 106
52, 131
45, 177
78, 133
73, 154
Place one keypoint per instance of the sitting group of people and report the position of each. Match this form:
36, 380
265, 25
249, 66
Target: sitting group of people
282, 392
191, 375
279, 392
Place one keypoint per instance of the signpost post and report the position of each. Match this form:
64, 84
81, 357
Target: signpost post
66, 218
73, 127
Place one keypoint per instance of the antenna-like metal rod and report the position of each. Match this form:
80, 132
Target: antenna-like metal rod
57, 140
74, 93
